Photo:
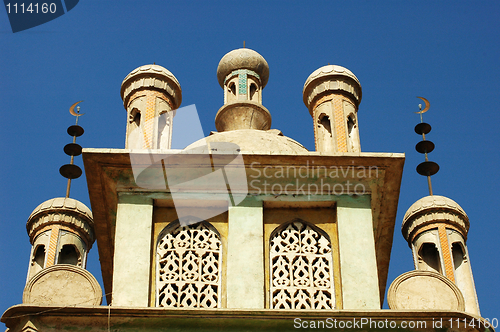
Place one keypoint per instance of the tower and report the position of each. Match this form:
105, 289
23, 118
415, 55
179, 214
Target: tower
61, 232
243, 74
150, 95
436, 230
332, 94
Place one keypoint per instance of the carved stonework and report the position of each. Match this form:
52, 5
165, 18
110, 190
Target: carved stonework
431, 210
301, 268
81, 225
62, 211
151, 77
334, 85
28, 327
331, 79
188, 267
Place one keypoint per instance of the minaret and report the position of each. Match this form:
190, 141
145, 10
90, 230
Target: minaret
436, 229
332, 94
150, 94
243, 74
61, 232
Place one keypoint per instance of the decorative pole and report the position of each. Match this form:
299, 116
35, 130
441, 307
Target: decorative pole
427, 168
71, 171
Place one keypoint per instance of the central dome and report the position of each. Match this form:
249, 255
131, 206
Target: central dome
254, 140
243, 58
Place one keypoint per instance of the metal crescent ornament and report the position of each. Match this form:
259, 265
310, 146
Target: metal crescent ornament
72, 109
427, 106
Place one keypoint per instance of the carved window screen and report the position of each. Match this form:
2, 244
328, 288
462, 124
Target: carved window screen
301, 268
188, 266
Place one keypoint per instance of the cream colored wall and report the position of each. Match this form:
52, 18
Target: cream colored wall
358, 265
245, 257
132, 252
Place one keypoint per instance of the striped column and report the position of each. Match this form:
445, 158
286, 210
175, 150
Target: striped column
445, 248
51, 251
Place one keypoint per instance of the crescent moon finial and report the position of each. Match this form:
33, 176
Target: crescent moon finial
427, 105
72, 109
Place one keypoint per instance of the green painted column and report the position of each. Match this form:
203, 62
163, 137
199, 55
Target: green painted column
245, 256
358, 264
132, 254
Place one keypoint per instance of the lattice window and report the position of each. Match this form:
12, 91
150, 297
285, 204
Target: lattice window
301, 268
188, 266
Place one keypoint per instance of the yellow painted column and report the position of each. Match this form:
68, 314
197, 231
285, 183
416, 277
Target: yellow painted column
51, 251
445, 248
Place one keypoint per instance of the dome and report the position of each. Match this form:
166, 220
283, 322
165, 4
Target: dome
243, 58
327, 72
431, 210
254, 140
330, 70
153, 76
62, 203
52, 211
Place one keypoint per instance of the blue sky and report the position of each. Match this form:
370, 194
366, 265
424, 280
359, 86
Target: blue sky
447, 52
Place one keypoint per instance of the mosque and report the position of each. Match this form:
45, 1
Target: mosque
244, 229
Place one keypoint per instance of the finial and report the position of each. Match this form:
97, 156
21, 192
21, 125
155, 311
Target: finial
243, 44
427, 105
71, 171
427, 168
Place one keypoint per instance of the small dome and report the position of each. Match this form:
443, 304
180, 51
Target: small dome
61, 210
320, 75
254, 140
330, 70
140, 76
62, 203
434, 209
243, 58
